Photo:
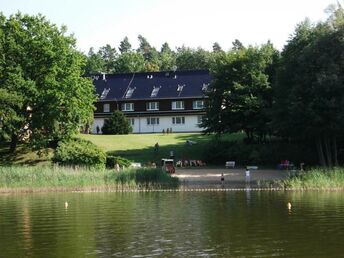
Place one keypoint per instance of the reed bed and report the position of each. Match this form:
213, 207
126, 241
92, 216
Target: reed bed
316, 179
56, 178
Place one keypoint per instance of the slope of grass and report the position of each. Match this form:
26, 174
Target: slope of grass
140, 147
23, 156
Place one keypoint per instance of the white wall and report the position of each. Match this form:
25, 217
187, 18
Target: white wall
99, 122
140, 125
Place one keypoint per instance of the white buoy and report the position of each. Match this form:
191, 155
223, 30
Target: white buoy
66, 205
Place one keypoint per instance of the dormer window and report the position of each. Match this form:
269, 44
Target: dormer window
155, 92
127, 106
129, 93
198, 104
152, 106
104, 93
106, 108
177, 105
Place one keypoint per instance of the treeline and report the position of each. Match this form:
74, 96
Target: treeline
296, 95
146, 58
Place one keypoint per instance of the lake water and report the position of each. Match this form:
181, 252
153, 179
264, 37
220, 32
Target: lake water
173, 224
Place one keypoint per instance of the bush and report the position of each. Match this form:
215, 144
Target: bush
112, 160
270, 154
79, 152
116, 124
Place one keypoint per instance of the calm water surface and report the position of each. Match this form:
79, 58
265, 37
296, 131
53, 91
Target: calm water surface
173, 224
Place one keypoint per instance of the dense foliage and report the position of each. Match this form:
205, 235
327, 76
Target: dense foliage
269, 154
241, 94
116, 124
78, 152
43, 97
111, 161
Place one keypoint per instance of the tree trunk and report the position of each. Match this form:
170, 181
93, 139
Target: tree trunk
335, 153
328, 151
320, 152
14, 141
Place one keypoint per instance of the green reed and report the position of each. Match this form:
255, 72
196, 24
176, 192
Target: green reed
79, 178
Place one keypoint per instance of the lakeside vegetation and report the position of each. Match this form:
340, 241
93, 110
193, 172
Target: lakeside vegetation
47, 178
316, 179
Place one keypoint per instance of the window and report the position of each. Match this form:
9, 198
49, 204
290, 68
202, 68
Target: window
200, 119
129, 93
104, 93
128, 107
153, 106
180, 87
155, 91
205, 86
178, 120
152, 120
198, 104
106, 108
177, 104
131, 121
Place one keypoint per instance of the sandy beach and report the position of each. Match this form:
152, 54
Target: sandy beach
232, 177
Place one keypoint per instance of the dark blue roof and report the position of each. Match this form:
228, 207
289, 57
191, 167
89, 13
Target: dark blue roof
191, 82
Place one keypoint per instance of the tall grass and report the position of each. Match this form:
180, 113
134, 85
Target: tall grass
321, 179
64, 179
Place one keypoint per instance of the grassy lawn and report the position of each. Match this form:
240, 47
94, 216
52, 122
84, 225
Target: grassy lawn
135, 147
140, 147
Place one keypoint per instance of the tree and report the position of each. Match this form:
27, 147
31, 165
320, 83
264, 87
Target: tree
108, 55
116, 124
191, 59
130, 62
237, 45
150, 54
41, 68
309, 95
241, 94
125, 46
217, 47
95, 62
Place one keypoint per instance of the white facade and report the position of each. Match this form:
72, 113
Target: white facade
143, 124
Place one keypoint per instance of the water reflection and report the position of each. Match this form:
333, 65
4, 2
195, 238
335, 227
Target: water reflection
181, 224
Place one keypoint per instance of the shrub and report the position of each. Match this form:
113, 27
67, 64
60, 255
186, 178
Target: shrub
270, 154
116, 124
79, 152
112, 160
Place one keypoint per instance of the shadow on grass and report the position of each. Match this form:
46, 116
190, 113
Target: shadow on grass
22, 156
197, 150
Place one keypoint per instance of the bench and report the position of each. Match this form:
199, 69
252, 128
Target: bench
230, 164
251, 167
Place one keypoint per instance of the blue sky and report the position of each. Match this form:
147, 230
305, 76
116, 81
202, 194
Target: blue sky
190, 22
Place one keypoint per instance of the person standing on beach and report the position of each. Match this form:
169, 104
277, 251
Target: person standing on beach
222, 179
247, 175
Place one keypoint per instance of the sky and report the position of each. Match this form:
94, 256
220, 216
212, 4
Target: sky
193, 23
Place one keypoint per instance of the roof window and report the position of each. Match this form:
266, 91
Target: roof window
205, 86
129, 93
180, 87
155, 91
104, 93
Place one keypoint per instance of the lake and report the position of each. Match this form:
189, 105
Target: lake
172, 224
